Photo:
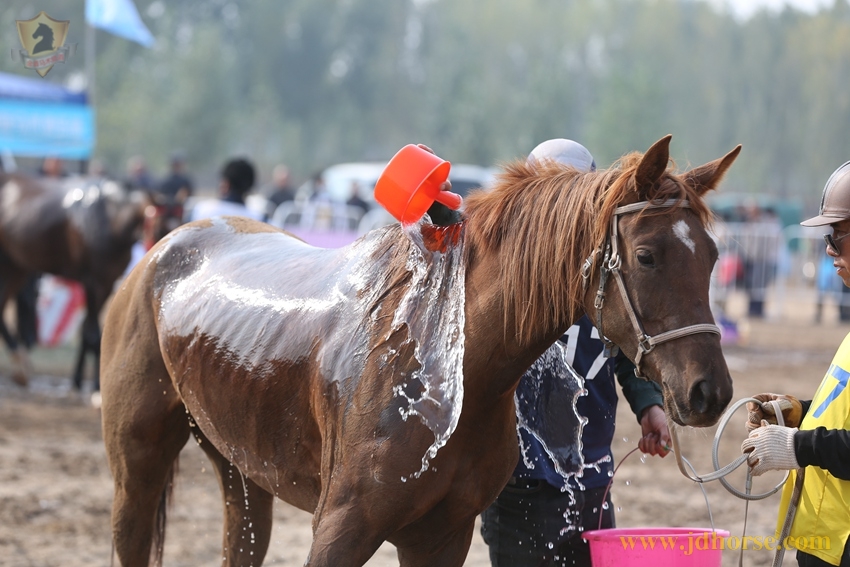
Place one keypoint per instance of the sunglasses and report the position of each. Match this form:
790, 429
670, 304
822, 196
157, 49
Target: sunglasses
832, 243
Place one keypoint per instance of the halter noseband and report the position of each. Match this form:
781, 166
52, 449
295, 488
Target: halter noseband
611, 264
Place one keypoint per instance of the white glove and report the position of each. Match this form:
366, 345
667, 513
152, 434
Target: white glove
770, 448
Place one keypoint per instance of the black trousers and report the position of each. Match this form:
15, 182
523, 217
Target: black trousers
807, 560
533, 524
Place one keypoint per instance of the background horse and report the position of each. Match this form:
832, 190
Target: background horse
78, 229
374, 385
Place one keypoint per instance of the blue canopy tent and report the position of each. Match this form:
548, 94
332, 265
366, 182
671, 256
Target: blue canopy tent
39, 119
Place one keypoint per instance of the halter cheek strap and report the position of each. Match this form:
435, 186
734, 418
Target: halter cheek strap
611, 265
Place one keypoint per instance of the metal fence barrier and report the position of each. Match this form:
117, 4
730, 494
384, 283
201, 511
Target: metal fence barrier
776, 272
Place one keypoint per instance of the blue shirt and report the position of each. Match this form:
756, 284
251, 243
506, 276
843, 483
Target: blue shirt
557, 406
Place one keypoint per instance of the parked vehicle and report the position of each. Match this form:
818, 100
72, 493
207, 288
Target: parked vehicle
338, 179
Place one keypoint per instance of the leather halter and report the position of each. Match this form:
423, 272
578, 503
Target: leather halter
610, 265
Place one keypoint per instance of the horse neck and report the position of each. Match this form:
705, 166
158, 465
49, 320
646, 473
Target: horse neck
495, 353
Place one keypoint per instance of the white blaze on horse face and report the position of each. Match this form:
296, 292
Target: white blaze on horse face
682, 230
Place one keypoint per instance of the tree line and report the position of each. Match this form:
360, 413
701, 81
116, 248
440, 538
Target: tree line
314, 82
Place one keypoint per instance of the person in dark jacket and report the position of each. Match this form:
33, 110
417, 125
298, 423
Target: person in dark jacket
816, 435
566, 463
177, 186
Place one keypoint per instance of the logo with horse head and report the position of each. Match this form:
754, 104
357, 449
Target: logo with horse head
43, 41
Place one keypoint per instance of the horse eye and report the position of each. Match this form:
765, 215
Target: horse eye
645, 258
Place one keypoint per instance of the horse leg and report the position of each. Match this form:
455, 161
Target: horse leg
247, 512
90, 342
26, 309
144, 429
342, 538
20, 356
448, 552
143, 456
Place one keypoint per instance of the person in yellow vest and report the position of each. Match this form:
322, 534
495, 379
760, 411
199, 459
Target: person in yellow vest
817, 433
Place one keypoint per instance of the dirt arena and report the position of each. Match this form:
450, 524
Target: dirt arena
56, 490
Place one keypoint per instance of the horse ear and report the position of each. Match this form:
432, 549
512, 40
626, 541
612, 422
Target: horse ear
706, 177
652, 165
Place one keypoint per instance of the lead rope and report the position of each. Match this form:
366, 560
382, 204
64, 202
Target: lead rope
720, 473
789, 516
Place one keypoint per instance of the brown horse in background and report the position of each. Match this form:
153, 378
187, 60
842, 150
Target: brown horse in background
294, 370
80, 229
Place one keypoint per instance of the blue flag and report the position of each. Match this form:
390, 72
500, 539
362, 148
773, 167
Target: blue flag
119, 17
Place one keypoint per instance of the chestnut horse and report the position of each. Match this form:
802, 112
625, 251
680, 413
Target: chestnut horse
80, 229
317, 376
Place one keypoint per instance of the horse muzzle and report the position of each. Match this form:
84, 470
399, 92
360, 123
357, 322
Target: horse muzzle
698, 402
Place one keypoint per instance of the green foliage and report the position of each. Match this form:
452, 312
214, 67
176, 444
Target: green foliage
313, 82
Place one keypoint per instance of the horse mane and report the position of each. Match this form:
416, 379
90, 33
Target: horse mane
544, 219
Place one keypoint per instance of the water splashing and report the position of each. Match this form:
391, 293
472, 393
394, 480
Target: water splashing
433, 310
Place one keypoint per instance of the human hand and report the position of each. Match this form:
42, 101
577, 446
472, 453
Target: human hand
792, 411
656, 436
445, 185
770, 448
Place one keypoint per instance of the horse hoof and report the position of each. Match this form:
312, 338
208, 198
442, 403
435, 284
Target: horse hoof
96, 400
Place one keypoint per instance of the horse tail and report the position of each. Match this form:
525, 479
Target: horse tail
159, 521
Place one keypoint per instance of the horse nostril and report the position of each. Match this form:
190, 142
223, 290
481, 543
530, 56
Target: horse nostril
701, 396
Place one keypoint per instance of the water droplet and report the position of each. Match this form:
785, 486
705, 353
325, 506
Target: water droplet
628, 482
604, 505
550, 545
625, 439
619, 508
610, 474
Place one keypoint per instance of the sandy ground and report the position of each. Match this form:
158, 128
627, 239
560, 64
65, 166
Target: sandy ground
56, 489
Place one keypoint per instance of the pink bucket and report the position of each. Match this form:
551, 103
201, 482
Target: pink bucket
656, 547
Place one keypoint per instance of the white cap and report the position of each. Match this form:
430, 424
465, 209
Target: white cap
564, 151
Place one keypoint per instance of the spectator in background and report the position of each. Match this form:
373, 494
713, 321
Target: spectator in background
138, 176
95, 168
760, 244
355, 200
281, 189
319, 190
169, 201
322, 211
237, 179
52, 168
177, 186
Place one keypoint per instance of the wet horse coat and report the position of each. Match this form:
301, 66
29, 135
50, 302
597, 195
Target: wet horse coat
301, 379
78, 229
